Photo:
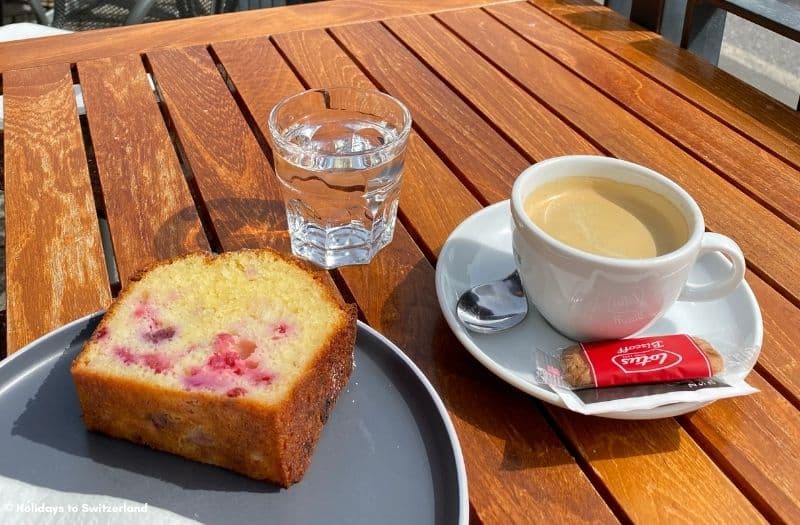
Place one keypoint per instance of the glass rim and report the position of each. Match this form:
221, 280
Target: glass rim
272, 123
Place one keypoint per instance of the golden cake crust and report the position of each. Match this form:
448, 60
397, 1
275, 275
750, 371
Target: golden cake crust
259, 440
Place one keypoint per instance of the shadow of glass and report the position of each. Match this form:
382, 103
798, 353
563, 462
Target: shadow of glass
235, 223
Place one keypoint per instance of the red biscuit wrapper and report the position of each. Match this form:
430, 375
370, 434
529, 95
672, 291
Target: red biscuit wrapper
658, 359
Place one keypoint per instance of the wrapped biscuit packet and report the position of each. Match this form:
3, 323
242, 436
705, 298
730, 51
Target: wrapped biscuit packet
640, 373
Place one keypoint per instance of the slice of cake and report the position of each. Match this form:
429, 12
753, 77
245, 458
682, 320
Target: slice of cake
234, 360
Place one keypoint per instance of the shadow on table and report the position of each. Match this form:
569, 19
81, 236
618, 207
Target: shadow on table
229, 223
52, 418
473, 394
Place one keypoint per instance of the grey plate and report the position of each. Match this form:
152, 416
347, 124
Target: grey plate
388, 453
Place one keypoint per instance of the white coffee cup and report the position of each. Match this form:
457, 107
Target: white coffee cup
593, 297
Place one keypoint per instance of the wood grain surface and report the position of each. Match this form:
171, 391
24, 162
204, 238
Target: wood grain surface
687, 449
151, 213
238, 187
202, 30
521, 117
491, 90
487, 163
739, 433
738, 105
54, 244
763, 175
396, 295
779, 360
779, 354
769, 243
655, 471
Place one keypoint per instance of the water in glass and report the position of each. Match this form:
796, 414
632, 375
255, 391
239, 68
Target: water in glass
340, 187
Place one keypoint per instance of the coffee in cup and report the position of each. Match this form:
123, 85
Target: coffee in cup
607, 217
604, 247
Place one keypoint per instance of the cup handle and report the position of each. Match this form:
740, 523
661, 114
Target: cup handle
714, 242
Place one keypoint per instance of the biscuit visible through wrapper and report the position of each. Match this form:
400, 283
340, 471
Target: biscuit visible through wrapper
578, 373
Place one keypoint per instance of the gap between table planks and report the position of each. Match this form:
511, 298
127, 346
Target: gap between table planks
720, 94
354, 37
53, 241
404, 308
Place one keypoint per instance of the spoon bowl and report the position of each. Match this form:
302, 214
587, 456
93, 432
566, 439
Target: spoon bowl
493, 306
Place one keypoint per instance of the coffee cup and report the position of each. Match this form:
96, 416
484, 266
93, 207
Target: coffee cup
584, 292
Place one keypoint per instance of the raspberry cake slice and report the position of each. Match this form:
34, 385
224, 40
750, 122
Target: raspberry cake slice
234, 360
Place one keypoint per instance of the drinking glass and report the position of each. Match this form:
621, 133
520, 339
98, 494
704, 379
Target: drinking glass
339, 156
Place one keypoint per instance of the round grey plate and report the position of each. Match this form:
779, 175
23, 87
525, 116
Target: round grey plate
388, 453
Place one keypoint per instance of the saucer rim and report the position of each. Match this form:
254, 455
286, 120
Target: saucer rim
448, 311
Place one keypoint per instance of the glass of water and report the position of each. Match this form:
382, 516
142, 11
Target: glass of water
339, 156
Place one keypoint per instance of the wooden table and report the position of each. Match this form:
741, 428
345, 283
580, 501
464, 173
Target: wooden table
493, 87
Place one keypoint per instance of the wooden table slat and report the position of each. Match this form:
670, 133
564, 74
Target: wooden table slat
717, 92
239, 189
769, 243
779, 356
770, 179
54, 247
151, 213
404, 308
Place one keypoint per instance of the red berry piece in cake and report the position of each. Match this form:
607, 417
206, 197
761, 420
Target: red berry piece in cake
236, 392
156, 362
246, 347
100, 334
157, 336
151, 327
205, 379
282, 330
125, 354
227, 366
263, 377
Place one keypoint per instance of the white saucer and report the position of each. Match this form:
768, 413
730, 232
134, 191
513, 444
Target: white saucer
479, 250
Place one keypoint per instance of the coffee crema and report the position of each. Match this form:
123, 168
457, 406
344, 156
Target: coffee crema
606, 217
